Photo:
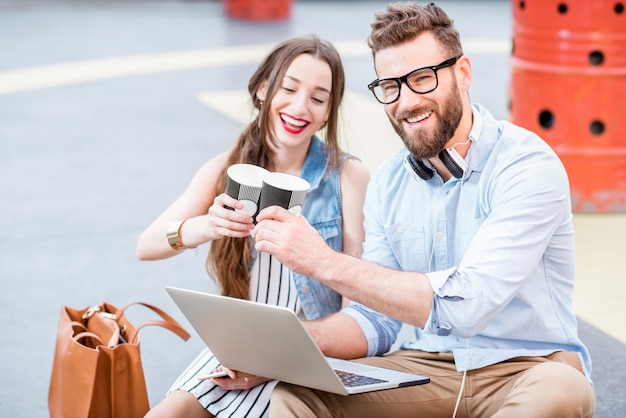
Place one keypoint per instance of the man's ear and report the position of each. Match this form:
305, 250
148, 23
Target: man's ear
261, 93
464, 76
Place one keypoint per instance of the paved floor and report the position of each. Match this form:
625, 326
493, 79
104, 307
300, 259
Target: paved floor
106, 110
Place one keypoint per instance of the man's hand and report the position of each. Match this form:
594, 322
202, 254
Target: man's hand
291, 240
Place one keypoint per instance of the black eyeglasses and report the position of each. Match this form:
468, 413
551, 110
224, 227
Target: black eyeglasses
421, 81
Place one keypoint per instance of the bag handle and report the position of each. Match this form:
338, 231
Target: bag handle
87, 334
100, 328
168, 322
79, 325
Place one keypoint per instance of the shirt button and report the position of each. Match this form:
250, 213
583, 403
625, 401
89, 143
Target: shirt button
305, 289
439, 235
444, 329
400, 229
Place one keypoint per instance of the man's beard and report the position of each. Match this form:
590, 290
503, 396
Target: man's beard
425, 144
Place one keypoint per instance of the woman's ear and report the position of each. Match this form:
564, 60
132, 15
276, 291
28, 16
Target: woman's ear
261, 92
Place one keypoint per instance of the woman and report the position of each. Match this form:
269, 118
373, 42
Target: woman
297, 91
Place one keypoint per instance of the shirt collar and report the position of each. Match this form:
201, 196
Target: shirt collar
477, 125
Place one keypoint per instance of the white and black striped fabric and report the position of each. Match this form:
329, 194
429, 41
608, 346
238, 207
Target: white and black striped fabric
270, 282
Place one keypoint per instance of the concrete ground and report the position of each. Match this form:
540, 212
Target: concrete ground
107, 108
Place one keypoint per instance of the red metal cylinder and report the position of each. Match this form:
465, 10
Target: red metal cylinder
568, 84
259, 10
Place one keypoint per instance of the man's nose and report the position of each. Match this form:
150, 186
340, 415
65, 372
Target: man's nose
408, 98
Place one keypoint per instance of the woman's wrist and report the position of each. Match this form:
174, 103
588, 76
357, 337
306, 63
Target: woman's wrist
173, 235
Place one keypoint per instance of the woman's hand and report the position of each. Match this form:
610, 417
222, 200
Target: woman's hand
237, 380
223, 221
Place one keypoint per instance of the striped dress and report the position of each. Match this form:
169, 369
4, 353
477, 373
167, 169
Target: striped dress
270, 282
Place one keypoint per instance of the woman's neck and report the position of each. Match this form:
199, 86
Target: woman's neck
289, 161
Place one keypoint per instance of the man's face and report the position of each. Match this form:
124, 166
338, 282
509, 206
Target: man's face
424, 122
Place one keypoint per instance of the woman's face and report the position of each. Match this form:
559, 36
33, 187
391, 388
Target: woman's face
302, 102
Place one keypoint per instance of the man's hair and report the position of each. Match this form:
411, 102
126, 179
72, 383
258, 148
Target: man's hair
403, 22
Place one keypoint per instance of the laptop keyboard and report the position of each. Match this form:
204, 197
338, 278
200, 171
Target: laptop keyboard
352, 379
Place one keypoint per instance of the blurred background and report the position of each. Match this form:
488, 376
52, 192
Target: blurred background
108, 107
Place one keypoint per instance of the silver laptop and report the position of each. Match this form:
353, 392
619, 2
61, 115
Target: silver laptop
270, 341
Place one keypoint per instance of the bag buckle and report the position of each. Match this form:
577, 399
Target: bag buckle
97, 309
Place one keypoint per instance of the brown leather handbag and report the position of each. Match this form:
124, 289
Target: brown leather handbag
97, 370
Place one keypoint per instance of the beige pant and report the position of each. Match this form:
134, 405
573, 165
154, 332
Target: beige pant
536, 387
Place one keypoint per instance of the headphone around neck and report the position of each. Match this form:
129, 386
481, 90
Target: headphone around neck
450, 158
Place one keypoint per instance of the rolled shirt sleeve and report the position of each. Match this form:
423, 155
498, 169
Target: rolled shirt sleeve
380, 330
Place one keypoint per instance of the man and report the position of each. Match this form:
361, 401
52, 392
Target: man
469, 237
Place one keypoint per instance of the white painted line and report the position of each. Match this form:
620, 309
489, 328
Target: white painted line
67, 73
83, 71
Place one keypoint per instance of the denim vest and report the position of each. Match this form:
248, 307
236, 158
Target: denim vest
322, 209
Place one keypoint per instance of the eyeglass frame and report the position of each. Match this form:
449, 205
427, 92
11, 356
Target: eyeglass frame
405, 79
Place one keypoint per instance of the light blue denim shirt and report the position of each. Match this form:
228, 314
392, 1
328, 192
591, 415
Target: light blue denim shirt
322, 209
497, 247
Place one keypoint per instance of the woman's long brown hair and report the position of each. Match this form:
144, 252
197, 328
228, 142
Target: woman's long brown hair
228, 261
